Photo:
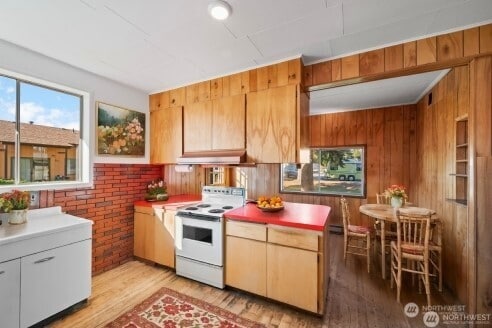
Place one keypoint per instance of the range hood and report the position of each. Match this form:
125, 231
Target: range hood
219, 157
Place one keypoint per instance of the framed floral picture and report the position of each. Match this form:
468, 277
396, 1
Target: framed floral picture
120, 131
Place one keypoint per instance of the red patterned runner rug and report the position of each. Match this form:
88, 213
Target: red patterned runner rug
168, 308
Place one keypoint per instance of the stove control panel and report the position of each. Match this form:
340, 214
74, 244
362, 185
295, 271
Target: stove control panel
233, 191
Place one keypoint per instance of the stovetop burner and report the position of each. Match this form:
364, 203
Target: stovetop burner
203, 205
216, 210
227, 207
191, 208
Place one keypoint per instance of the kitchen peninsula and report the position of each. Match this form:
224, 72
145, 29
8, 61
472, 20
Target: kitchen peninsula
281, 255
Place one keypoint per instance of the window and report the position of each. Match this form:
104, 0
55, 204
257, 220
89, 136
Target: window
332, 171
216, 176
42, 137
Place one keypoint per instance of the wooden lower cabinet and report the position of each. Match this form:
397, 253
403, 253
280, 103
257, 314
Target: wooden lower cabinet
246, 265
285, 264
292, 276
154, 235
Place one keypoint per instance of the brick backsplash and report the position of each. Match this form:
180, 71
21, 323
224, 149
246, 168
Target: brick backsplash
110, 205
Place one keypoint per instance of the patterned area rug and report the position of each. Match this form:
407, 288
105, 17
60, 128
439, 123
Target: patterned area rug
168, 308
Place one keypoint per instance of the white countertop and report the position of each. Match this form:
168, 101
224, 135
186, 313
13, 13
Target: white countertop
40, 222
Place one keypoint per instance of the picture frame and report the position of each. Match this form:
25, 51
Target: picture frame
119, 131
332, 171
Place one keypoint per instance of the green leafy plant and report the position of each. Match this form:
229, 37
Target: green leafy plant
157, 187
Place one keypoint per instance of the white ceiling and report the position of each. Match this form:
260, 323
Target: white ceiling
155, 45
376, 94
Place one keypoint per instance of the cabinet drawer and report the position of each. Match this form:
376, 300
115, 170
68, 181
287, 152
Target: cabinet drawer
246, 230
144, 210
293, 237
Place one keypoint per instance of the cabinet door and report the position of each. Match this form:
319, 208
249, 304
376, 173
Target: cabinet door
245, 266
166, 135
198, 126
271, 125
53, 280
143, 235
292, 276
9, 293
164, 238
229, 123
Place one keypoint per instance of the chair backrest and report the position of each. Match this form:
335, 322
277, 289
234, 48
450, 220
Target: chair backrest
383, 199
413, 229
345, 214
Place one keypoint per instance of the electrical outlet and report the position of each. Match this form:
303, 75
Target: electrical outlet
34, 198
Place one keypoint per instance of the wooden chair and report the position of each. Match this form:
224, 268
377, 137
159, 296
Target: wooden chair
410, 251
435, 250
389, 233
356, 239
383, 199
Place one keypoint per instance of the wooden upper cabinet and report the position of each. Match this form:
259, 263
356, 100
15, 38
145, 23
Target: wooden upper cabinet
217, 124
272, 127
198, 126
166, 135
228, 123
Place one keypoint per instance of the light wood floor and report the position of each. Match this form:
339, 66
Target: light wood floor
355, 298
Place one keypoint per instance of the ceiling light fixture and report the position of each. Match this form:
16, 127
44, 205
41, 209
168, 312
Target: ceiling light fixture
219, 9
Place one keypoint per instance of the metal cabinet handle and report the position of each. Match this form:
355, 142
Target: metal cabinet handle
46, 259
2, 272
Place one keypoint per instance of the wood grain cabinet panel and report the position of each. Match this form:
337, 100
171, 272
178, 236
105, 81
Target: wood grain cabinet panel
292, 276
271, 126
228, 123
154, 235
166, 135
245, 266
197, 131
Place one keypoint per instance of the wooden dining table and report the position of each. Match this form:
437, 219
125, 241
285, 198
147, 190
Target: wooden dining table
386, 213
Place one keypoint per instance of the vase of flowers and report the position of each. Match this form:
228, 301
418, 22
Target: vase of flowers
397, 195
16, 203
156, 190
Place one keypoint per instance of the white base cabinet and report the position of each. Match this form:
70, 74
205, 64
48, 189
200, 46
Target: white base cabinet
53, 280
45, 266
9, 293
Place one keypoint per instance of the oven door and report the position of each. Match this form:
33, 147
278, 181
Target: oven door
199, 239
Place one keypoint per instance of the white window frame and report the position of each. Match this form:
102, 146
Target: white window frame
85, 157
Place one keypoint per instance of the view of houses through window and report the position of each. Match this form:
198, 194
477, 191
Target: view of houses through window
39, 133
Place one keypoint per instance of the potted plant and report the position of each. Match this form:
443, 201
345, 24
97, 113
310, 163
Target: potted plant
156, 190
16, 203
397, 194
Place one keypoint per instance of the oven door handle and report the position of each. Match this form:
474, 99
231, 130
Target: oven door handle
199, 217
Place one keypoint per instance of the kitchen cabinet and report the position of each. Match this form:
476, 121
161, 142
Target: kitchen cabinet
277, 75
9, 291
245, 264
276, 127
217, 124
154, 235
45, 267
292, 260
59, 273
198, 126
166, 135
282, 263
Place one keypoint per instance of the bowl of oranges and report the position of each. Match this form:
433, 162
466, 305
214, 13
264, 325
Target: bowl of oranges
270, 204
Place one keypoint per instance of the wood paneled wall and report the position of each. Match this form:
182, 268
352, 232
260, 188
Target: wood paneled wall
388, 134
180, 183
429, 53
433, 184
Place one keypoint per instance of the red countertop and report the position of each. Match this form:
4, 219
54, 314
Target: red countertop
297, 215
172, 203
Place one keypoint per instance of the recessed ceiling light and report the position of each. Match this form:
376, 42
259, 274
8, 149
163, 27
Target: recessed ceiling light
219, 9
